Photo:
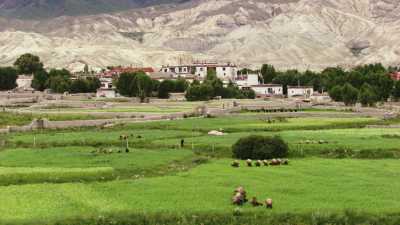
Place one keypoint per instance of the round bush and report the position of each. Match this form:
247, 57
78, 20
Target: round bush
260, 147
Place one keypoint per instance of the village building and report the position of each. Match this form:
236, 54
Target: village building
300, 91
106, 82
224, 71
24, 82
106, 93
247, 80
264, 90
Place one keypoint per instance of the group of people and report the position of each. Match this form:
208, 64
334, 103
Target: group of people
240, 198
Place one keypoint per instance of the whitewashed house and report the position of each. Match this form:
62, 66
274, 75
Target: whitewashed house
262, 90
106, 83
224, 71
106, 93
24, 82
300, 91
247, 80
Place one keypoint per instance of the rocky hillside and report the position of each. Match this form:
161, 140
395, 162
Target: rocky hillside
286, 33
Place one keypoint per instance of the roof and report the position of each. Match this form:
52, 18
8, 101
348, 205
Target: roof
267, 85
195, 64
300, 87
119, 70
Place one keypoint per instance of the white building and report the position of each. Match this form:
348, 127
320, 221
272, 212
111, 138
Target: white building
247, 80
267, 89
224, 72
106, 93
300, 91
24, 82
106, 83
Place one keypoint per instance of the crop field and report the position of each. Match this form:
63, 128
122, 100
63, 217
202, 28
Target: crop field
338, 171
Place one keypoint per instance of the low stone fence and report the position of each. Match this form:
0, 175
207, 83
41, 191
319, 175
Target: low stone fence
46, 124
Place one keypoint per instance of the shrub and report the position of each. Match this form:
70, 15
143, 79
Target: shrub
349, 94
260, 147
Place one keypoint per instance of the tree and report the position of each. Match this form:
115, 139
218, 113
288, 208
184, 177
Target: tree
396, 91
8, 78
367, 96
181, 85
59, 84
28, 64
203, 92
142, 86
260, 147
124, 84
40, 80
289, 77
86, 69
268, 73
336, 93
63, 73
349, 94
93, 83
79, 86
155, 85
166, 86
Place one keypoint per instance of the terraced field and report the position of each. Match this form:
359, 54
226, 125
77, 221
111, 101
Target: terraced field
86, 176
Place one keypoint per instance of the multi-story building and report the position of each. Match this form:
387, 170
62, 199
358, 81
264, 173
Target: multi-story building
224, 71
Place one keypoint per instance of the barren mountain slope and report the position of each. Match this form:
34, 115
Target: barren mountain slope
286, 33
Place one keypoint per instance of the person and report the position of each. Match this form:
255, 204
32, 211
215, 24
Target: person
182, 143
268, 203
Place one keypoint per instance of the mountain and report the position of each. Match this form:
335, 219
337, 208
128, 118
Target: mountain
39, 9
286, 33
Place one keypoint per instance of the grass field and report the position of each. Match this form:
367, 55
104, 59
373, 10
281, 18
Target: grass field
303, 186
52, 177
90, 137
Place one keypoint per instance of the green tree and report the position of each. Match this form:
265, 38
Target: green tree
8, 78
142, 86
336, 93
396, 91
125, 83
86, 69
201, 92
166, 87
289, 77
181, 85
79, 86
367, 96
28, 64
268, 73
93, 83
40, 80
349, 94
59, 84
155, 85
62, 73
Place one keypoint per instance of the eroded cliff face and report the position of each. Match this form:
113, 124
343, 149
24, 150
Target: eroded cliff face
286, 33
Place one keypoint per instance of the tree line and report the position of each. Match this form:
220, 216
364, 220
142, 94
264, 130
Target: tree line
366, 84
57, 80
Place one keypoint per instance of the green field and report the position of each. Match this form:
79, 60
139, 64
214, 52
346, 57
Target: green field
303, 186
84, 176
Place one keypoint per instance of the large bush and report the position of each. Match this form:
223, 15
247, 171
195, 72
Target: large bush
260, 147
